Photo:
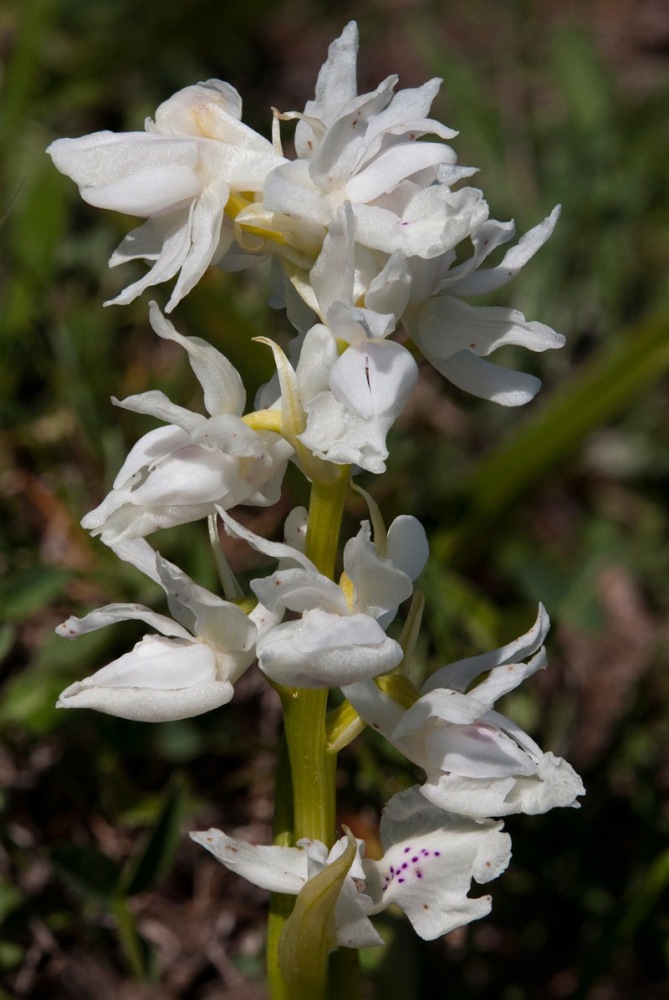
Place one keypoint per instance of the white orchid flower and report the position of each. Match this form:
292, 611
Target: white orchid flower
345, 403
340, 635
187, 668
399, 256
456, 337
430, 859
179, 174
477, 762
369, 386
362, 149
178, 473
349, 396
364, 391
288, 869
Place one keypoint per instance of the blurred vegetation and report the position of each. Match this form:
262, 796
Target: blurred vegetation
565, 502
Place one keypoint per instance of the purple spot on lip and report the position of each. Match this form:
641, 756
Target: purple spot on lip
437, 854
400, 880
419, 874
405, 865
406, 850
414, 860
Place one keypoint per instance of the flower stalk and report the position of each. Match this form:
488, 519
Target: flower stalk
312, 766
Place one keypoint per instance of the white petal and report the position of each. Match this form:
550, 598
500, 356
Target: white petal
354, 929
345, 438
357, 325
429, 862
141, 555
317, 356
324, 650
503, 679
223, 626
460, 674
479, 750
289, 190
555, 784
117, 519
443, 705
489, 279
150, 705
277, 550
160, 680
299, 590
377, 709
435, 220
443, 325
488, 381
149, 449
158, 663
160, 237
103, 158
198, 476
374, 379
147, 192
190, 475
407, 545
394, 165
380, 587
389, 290
205, 230
331, 276
407, 112
212, 109
468, 797
485, 239
168, 245
222, 384
343, 145
156, 404
336, 83
279, 869
112, 613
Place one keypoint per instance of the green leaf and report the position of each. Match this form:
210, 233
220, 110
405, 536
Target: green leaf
10, 898
599, 391
644, 896
155, 858
7, 636
11, 955
31, 591
310, 933
87, 872
139, 954
584, 80
29, 701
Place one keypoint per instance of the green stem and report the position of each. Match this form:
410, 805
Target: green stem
280, 904
326, 507
312, 766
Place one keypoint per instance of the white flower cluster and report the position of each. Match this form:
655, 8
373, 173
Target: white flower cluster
363, 226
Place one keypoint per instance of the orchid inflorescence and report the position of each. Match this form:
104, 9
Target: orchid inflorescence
374, 247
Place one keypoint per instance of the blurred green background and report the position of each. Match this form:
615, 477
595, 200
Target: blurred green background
101, 893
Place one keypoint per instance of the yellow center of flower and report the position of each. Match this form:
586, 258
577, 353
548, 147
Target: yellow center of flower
348, 589
254, 224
